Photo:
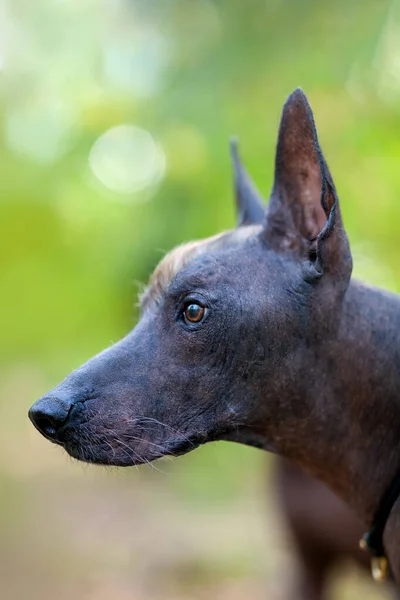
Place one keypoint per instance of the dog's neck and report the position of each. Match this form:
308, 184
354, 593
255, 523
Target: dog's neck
354, 391
343, 424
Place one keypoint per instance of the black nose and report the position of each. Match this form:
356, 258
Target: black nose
48, 415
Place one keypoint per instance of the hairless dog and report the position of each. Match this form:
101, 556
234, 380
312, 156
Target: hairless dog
257, 335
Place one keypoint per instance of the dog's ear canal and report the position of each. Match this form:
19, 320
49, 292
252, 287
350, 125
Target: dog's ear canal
303, 216
249, 204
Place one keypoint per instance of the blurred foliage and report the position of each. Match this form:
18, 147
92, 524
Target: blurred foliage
72, 249
79, 237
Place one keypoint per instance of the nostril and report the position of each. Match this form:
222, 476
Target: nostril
48, 415
46, 425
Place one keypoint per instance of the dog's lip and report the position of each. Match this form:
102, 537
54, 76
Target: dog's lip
187, 444
179, 447
58, 443
175, 447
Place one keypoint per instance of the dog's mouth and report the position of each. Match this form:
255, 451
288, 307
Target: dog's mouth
99, 437
123, 450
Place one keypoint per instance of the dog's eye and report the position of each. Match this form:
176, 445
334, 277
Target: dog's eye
193, 313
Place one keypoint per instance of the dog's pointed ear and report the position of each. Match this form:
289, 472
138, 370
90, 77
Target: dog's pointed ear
249, 204
303, 215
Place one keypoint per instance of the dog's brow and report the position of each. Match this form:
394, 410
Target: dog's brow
171, 264
180, 256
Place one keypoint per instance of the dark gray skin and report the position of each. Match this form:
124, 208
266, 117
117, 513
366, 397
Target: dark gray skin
291, 356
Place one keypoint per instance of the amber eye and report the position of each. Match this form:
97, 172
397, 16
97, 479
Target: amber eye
194, 313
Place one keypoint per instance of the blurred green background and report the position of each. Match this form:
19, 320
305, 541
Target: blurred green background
115, 121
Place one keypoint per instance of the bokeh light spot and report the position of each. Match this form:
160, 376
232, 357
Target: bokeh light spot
127, 159
136, 63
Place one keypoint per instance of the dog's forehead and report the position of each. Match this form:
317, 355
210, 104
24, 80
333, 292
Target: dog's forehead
180, 257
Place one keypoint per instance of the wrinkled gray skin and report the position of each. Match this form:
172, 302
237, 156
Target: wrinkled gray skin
285, 358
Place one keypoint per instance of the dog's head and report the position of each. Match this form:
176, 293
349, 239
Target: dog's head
226, 328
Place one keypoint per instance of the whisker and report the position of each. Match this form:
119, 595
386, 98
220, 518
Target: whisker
140, 439
131, 452
142, 459
156, 422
